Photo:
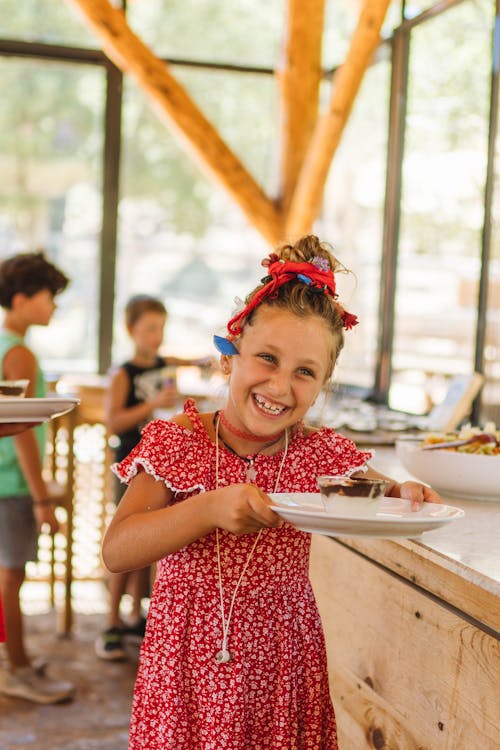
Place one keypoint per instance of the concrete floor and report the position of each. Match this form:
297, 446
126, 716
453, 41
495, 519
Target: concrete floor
98, 717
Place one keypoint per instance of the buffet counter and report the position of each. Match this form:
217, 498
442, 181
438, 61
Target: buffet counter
412, 631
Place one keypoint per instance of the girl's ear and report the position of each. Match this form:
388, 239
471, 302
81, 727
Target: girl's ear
225, 364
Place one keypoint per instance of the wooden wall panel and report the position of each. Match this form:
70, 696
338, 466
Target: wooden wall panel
406, 672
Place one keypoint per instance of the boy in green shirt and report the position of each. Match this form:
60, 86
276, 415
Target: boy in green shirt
28, 285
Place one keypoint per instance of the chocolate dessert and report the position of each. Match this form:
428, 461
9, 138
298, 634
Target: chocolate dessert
354, 488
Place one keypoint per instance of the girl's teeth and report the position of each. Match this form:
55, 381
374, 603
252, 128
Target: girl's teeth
269, 407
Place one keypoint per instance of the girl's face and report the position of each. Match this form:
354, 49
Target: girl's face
283, 363
147, 333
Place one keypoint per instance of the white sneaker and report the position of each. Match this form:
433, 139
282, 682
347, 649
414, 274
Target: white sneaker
26, 683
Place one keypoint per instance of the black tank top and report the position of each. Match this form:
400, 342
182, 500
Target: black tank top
144, 383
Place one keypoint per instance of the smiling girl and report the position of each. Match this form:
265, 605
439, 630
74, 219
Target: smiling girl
234, 654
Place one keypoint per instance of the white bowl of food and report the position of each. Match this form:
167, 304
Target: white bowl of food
468, 471
351, 497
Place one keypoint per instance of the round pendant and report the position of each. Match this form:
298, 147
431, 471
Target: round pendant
223, 656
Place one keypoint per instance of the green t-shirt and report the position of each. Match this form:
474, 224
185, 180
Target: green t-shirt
12, 481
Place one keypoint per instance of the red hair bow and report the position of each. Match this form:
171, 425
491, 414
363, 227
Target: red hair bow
280, 271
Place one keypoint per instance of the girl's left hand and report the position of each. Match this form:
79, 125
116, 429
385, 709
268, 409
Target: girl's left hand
416, 493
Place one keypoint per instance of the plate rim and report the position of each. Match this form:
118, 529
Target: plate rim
54, 406
415, 519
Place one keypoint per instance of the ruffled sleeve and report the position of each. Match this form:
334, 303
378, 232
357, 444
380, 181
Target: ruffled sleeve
336, 454
170, 453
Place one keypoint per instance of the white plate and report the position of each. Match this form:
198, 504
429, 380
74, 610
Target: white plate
34, 409
394, 519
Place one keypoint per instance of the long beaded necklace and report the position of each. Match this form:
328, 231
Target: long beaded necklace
224, 655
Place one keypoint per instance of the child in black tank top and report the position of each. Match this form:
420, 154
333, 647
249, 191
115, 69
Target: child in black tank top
137, 389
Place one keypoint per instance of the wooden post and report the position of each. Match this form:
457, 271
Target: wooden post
306, 201
174, 104
299, 76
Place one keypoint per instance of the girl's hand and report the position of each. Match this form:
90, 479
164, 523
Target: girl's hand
242, 509
416, 493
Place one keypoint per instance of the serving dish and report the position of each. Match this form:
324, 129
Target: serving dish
466, 476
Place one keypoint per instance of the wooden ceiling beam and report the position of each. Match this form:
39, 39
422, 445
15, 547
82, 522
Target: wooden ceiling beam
306, 202
299, 77
174, 104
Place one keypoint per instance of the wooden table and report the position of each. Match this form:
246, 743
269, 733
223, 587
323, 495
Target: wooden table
412, 630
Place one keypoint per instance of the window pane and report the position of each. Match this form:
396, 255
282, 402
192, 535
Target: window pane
442, 201
242, 107
44, 21
352, 221
50, 192
232, 31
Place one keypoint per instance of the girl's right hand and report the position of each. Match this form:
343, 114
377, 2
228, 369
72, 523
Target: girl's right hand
242, 509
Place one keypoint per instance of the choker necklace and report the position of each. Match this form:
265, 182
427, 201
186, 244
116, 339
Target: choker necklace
250, 471
248, 435
224, 655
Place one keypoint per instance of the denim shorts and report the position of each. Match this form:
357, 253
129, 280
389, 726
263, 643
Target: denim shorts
18, 532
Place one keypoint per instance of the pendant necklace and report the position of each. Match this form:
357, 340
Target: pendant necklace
224, 655
250, 472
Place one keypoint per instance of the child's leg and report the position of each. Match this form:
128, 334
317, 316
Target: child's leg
117, 585
11, 581
139, 589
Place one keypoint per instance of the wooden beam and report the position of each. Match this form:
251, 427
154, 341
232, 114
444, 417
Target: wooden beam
306, 201
299, 76
174, 104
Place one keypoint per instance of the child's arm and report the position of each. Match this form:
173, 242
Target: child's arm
120, 418
145, 529
204, 362
20, 362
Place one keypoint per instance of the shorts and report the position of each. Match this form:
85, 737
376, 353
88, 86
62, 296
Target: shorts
18, 532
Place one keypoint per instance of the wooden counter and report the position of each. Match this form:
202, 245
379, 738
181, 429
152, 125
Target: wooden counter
412, 631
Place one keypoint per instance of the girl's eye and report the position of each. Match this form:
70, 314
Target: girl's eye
267, 357
307, 372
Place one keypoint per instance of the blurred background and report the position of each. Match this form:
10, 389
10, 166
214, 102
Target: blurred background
93, 176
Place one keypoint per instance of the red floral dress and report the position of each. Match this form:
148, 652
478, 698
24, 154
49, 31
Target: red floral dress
273, 694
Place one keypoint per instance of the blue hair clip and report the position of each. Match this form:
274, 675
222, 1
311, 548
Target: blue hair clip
305, 279
224, 346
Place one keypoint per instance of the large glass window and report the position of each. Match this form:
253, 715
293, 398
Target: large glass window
442, 198
50, 192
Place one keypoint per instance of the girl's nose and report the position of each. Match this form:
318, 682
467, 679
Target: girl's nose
279, 384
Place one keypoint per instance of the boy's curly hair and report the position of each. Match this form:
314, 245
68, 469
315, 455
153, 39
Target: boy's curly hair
29, 273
